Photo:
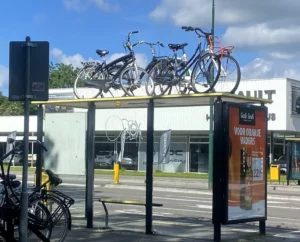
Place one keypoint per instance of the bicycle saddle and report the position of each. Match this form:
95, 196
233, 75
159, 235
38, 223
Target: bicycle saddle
177, 46
54, 179
11, 177
102, 52
14, 184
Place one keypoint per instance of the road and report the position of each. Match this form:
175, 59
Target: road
182, 214
186, 211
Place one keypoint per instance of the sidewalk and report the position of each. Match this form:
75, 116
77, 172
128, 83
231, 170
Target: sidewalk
80, 233
92, 235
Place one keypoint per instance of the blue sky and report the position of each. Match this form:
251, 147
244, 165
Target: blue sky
75, 28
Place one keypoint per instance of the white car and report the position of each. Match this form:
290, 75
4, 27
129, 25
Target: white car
105, 159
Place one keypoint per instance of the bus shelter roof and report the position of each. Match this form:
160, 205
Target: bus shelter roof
181, 100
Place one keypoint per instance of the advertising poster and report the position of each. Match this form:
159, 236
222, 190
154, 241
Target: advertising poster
295, 165
247, 163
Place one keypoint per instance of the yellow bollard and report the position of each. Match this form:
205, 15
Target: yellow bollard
116, 173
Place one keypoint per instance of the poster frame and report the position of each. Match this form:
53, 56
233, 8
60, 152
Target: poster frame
226, 108
289, 174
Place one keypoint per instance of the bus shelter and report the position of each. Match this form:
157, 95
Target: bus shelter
148, 102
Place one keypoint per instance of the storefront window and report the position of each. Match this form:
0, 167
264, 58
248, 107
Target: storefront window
199, 158
178, 155
105, 156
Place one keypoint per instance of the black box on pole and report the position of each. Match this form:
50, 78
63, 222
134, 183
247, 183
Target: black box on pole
39, 71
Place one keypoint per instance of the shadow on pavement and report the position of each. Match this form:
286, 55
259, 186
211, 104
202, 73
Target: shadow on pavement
131, 227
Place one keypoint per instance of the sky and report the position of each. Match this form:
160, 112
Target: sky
265, 34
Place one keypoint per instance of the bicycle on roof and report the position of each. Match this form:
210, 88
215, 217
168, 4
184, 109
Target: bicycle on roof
120, 77
174, 72
230, 73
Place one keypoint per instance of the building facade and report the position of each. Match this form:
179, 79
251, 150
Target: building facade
189, 127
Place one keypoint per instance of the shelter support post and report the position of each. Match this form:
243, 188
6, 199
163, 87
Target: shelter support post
149, 167
217, 167
262, 227
271, 148
90, 154
39, 155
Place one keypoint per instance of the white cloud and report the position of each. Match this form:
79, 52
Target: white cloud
77, 59
105, 6
263, 68
74, 60
80, 6
246, 22
75, 5
141, 58
39, 18
262, 36
4, 75
257, 26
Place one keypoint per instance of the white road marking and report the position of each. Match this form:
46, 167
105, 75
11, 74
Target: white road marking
288, 219
134, 211
179, 199
272, 202
187, 197
204, 206
281, 207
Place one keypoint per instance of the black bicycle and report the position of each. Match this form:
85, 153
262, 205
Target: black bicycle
47, 210
230, 73
121, 77
157, 88
174, 71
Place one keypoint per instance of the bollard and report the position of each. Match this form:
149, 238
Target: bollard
116, 173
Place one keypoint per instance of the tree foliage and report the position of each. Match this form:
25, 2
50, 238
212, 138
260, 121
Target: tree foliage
60, 76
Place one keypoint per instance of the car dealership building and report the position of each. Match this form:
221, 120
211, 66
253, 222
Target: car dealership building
189, 126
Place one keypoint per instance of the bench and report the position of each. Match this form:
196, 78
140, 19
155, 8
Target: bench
128, 202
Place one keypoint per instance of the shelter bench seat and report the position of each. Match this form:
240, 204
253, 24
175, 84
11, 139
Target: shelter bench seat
128, 202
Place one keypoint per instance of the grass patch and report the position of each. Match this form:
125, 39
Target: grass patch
156, 173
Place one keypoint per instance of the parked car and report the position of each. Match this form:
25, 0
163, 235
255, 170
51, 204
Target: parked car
105, 159
282, 162
129, 161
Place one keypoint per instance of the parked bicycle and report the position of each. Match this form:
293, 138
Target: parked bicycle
121, 77
230, 73
151, 68
47, 210
172, 72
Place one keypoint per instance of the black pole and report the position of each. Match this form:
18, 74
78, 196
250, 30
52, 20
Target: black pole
39, 155
149, 167
271, 148
24, 194
289, 163
217, 168
90, 164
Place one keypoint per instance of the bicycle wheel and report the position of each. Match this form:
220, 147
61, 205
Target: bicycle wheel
39, 211
153, 85
230, 75
82, 91
57, 219
207, 67
129, 83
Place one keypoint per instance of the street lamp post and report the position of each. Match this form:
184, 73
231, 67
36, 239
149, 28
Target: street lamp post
211, 114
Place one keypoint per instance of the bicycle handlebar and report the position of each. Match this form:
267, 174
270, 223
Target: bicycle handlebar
43, 146
189, 28
151, 44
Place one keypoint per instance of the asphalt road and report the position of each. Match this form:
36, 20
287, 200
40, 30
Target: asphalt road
182, 214
186, 211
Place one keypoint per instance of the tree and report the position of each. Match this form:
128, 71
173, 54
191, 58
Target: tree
60, 76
